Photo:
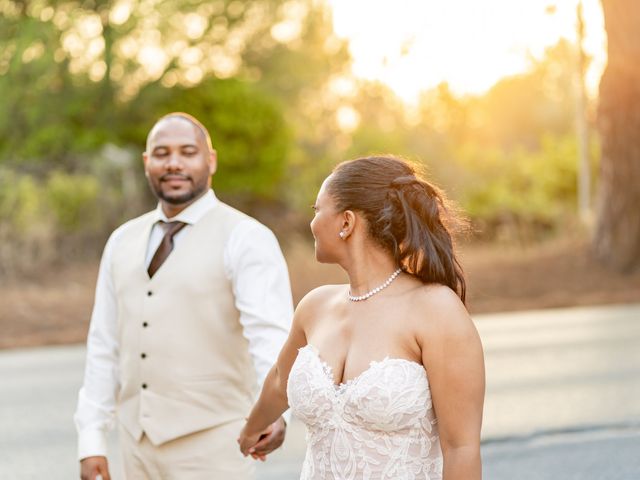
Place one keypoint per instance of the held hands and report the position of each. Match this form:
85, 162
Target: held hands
91, 467
260, 444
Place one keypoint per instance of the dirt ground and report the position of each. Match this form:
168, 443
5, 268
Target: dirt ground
55, 308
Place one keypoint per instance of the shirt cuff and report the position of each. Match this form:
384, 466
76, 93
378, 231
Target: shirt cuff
287, 417
92, 443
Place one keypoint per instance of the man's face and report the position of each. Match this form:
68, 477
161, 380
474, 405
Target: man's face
178, 163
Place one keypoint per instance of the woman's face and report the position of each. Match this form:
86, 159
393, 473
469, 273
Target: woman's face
325, 226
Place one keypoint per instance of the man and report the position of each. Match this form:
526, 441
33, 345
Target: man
192, 305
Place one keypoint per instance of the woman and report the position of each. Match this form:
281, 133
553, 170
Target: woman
386, 372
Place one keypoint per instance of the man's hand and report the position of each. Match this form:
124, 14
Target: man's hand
91, 467
269, 440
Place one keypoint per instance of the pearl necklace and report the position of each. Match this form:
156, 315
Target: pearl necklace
370, 293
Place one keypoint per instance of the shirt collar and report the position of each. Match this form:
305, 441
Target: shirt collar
193, 213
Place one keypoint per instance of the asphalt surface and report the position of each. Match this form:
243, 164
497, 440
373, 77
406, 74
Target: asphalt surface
563, 402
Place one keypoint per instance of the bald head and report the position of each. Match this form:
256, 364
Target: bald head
201, 131
179, 161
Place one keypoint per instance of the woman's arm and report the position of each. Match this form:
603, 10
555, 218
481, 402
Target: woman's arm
452, 355
273, 401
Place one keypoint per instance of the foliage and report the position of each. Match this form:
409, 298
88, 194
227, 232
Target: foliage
44, 112
52, 219
299, 72
82, 81
74, 201
22, 206
521, 193
508, 157
519, 110
69, 65
247, 129
25, 227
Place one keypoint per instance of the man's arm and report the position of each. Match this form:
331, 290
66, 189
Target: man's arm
95, 413
262, 290
260, 280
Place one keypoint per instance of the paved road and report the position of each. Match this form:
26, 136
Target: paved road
563, 401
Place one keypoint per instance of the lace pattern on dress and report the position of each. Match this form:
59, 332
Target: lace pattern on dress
379, 425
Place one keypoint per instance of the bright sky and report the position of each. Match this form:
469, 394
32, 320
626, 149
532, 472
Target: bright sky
413, 45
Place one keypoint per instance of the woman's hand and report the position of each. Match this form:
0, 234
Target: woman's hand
247, 442
261, 444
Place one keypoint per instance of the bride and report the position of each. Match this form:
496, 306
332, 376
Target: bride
386, 372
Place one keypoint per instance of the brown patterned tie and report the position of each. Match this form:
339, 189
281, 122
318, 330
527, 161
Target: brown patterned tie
165, 247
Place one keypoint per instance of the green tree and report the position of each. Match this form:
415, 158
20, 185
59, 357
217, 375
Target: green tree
44, 111
247, 127
520, 109
68, 69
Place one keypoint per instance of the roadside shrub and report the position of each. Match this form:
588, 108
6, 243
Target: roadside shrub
62, 217
247, 127
522, 194
26, 229
74, 202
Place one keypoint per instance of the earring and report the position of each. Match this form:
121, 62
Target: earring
342, 235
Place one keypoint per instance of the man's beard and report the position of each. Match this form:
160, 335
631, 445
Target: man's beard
195, 192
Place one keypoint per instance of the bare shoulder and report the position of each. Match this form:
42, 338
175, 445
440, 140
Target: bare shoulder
322, 294
317, 301
444, 310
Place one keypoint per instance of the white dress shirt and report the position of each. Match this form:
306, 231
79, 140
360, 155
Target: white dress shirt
255, 266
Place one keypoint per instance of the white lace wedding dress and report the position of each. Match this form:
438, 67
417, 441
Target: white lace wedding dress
378, 426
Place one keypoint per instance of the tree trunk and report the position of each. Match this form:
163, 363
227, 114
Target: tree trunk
617, 232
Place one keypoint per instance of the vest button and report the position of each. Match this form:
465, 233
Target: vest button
149, 293
143, 355
145, 324
144, 385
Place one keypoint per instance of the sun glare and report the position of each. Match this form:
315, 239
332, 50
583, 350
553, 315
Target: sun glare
413, 45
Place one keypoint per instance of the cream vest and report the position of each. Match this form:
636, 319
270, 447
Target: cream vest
184, 363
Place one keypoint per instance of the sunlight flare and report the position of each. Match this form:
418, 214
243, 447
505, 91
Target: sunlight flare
413, 45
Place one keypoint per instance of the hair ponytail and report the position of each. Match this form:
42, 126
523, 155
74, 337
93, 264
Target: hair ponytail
406, 215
